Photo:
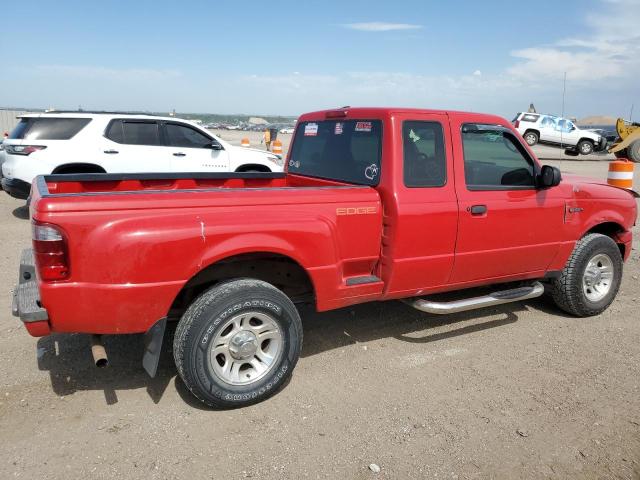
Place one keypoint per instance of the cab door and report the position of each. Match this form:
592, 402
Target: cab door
421, 215
508, 228
191, 150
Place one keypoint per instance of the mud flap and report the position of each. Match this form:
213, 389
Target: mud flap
153, 346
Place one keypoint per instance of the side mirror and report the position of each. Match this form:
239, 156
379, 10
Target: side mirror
549, 176
214, 146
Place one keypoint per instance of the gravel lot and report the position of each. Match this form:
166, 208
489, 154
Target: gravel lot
519, 391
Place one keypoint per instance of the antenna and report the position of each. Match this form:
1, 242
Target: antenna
631, 114
564, 91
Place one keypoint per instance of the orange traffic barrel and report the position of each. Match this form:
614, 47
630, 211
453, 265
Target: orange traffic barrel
621, 174
245, 142
276, 147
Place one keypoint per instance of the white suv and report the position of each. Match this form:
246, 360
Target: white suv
82, 142
536, 127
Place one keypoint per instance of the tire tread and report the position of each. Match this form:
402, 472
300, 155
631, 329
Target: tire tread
566, 291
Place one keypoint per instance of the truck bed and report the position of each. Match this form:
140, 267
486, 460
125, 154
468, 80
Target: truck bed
134, 240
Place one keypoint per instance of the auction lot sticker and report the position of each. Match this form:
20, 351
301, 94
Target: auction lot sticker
338, 130
363, 127
311, 130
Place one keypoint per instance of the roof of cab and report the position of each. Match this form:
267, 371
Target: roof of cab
363, 112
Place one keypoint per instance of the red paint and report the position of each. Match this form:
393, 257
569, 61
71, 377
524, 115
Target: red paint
133, 244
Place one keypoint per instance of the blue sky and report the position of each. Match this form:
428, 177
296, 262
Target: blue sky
289, 57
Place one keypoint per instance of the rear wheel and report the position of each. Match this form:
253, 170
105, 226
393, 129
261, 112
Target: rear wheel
238, 343
585, 147
531, 138
591, 278
633, 151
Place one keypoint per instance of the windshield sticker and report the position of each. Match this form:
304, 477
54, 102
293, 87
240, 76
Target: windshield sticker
295, 164
311, 130
338, 129
371, 172
363, 126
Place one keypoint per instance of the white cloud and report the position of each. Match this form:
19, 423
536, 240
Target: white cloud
609, 49
477, 73
381, 26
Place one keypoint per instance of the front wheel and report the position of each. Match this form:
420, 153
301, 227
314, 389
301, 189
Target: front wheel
237, 343
591, 278
585, 147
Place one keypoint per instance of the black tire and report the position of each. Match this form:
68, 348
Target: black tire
203, 322
568, 292
621, 153
633, 151
585, 147
531, 137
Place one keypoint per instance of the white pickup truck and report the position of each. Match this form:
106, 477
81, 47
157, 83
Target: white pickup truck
536, 127
89, 142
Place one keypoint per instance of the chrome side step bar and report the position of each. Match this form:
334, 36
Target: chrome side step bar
496, 298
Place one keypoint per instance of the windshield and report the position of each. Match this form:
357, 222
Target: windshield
343, 150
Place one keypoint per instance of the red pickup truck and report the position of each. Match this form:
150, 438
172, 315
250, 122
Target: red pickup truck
377, 204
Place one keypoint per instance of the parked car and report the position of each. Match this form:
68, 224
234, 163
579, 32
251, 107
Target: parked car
287, 130
81, 142
377, 204
607, 131
535, 127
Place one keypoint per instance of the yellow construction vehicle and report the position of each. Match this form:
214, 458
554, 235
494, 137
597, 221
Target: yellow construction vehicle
627, 145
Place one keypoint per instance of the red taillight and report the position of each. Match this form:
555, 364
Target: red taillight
517, 124
50, 252
24, 149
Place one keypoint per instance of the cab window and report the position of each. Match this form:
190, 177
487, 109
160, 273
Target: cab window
424, 161
494, 159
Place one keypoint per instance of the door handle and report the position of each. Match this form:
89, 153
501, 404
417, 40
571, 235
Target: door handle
111, 151
179, 154
477, 209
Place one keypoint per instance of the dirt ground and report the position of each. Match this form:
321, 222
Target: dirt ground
518, 391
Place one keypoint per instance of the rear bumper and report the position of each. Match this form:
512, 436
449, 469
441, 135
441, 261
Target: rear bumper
26, 298
16, 188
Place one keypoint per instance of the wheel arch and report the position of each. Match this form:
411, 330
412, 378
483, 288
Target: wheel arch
611, 229
245, 167
78, 167
278, 269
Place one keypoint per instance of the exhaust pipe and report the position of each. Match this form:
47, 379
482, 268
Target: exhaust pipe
497, 298
98, 351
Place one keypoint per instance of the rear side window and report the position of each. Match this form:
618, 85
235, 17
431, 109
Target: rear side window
134, 133
424, 162
527, 117
343, 150
185, 136
494, 159
34, 128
